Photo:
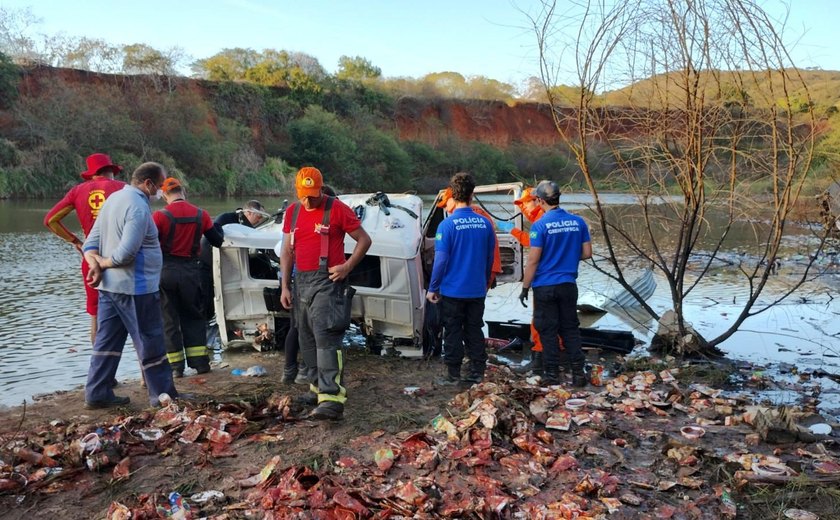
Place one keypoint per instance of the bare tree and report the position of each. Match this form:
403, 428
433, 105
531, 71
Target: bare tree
708, 115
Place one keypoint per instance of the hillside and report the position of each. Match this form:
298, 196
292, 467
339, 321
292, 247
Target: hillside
823, 88
232, 138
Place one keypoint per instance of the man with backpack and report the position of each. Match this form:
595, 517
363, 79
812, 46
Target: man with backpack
180, 228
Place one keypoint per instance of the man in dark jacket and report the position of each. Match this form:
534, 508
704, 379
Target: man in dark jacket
251, 215
180, 228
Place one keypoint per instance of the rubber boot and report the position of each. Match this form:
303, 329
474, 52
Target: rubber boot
328, 411
534, 365
451, 376
475, 374
551, 376
579, 378
289, 374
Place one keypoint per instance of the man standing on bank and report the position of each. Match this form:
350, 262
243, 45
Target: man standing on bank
86, 199
465, 244
559, 241
180, 227
313, 238
123, 253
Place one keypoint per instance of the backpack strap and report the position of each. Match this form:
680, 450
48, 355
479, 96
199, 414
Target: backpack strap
197, 238
166, 245
325, 233
325, 237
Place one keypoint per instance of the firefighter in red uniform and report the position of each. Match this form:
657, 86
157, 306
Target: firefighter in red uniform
86, 199
532, 211
180, 228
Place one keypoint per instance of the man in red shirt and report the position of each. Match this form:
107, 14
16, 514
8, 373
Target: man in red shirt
86, 199
180, 227
313, 239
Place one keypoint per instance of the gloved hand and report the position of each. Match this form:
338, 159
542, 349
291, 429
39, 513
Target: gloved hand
523, 296
505, 226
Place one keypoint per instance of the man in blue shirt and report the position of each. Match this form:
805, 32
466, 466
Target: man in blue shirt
559, 241
123, 252
464, 250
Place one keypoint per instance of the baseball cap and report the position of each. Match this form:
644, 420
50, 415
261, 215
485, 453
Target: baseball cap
527, 196
170, 184
447, 194
308, 182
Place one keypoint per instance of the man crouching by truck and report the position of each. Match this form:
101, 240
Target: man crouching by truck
313, 238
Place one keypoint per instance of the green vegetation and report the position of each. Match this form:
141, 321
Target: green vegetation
262, 114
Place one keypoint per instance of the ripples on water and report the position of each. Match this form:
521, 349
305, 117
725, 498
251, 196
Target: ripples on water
42, 317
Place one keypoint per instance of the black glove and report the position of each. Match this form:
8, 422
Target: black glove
523, 296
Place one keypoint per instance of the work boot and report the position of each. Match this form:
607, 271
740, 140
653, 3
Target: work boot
475, 375
107, 403
451, 377
328, 411
551, 376
307, 399
473, 378
534, 365
289, 374
579, 378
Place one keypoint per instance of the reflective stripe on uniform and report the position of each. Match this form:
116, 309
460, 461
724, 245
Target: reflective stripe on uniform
155, 363
199, 351
341, 397
175, 357
106, 353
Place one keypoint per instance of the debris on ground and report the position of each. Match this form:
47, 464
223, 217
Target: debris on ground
643, 444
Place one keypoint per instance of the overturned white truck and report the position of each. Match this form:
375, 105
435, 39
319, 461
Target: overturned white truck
389, 307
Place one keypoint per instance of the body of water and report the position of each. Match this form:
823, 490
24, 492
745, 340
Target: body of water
44, 343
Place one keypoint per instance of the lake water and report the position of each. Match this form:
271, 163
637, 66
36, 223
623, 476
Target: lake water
44, 343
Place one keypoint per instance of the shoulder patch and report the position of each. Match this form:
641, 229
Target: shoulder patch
533, 234
439, 236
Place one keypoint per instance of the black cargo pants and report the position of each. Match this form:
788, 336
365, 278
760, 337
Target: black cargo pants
315, 297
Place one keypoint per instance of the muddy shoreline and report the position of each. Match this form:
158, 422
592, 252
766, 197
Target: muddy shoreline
628, 451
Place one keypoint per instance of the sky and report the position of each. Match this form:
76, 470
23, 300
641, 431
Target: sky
411, 38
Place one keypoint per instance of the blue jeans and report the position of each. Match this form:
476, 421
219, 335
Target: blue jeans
555, 312
120, 315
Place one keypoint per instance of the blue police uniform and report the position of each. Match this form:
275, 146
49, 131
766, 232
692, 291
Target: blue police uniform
561, 236
464, 251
